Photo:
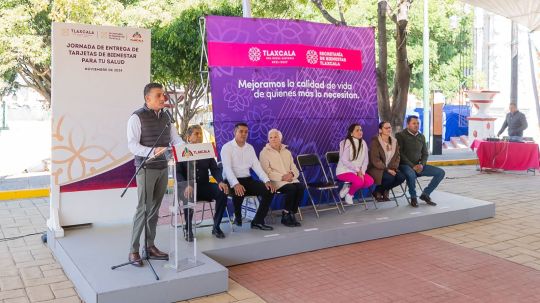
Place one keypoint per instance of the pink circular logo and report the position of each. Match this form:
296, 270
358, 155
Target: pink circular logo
475, 134
254, 54
312, 57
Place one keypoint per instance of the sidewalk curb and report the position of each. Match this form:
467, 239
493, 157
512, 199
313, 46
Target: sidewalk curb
456, 162
24, 194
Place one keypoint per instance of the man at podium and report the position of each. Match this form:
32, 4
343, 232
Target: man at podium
143, 130
206, 191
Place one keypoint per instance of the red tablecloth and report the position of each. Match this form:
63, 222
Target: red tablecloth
507, 155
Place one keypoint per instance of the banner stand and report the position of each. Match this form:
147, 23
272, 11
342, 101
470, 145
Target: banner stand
94, 68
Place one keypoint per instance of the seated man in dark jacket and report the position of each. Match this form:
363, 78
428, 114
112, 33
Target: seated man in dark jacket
515, 121
413, 162
206, 191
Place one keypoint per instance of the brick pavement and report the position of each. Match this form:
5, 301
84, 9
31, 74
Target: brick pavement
514, 233
409, 268
29, 273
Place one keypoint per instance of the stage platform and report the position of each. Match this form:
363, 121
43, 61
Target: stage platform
86, 254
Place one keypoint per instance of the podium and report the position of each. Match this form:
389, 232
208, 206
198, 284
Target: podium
185, 196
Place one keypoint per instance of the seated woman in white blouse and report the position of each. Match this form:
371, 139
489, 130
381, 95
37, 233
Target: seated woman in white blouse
353, 163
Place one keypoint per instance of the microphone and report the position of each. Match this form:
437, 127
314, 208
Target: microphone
169, 105
171, 119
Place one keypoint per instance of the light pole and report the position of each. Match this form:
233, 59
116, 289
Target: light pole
426, 122
4, 124
246, 8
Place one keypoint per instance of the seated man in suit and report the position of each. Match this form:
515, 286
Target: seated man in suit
206, 191
413, 162
238, 157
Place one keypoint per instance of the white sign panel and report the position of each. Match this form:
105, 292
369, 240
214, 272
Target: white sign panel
98, 76
188, 152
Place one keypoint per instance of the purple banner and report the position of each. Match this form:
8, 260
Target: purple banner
315, 80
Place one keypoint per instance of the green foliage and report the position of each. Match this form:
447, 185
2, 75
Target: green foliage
285, 9
25, 27
176, 47
25, 44
447, 44
8, 85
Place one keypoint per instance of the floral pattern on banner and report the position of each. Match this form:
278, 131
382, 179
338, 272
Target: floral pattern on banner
237, 100
76, 157
261, 120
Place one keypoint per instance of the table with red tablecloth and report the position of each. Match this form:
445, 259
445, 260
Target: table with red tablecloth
507, 155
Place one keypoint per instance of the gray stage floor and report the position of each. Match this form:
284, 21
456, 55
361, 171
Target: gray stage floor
88, 253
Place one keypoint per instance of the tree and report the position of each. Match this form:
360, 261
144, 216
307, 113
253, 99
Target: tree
402, 77
176, 54
25, 44
399, 72
395, 111
25, 36
322, 7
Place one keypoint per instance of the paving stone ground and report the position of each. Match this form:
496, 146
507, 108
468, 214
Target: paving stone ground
409, 268
514, 233
503, 250
29, 272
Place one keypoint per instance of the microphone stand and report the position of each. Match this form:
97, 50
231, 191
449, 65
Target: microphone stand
147, 258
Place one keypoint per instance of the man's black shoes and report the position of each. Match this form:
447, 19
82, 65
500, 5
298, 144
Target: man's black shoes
427, 199
218, 233
414, 202
287, 220
261, 226
293, 219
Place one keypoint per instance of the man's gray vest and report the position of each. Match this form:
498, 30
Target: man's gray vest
151, 127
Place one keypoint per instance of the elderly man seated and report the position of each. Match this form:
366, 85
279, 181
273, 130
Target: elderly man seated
277, 161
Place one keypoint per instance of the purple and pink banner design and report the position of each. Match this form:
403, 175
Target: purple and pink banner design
289, 55
309, 80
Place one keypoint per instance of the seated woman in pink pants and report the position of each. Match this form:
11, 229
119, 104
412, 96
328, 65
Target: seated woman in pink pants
353, 163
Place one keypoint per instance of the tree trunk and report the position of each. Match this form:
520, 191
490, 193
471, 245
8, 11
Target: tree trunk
36, 77
185, 110
383, 98
402, 78
320, 5
188, 106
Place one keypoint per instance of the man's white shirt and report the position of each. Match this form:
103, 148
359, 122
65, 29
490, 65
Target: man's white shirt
237, 161
134, 137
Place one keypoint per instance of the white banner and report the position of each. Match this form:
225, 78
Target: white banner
98, 76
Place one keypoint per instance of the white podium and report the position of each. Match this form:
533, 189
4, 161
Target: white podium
185, 196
